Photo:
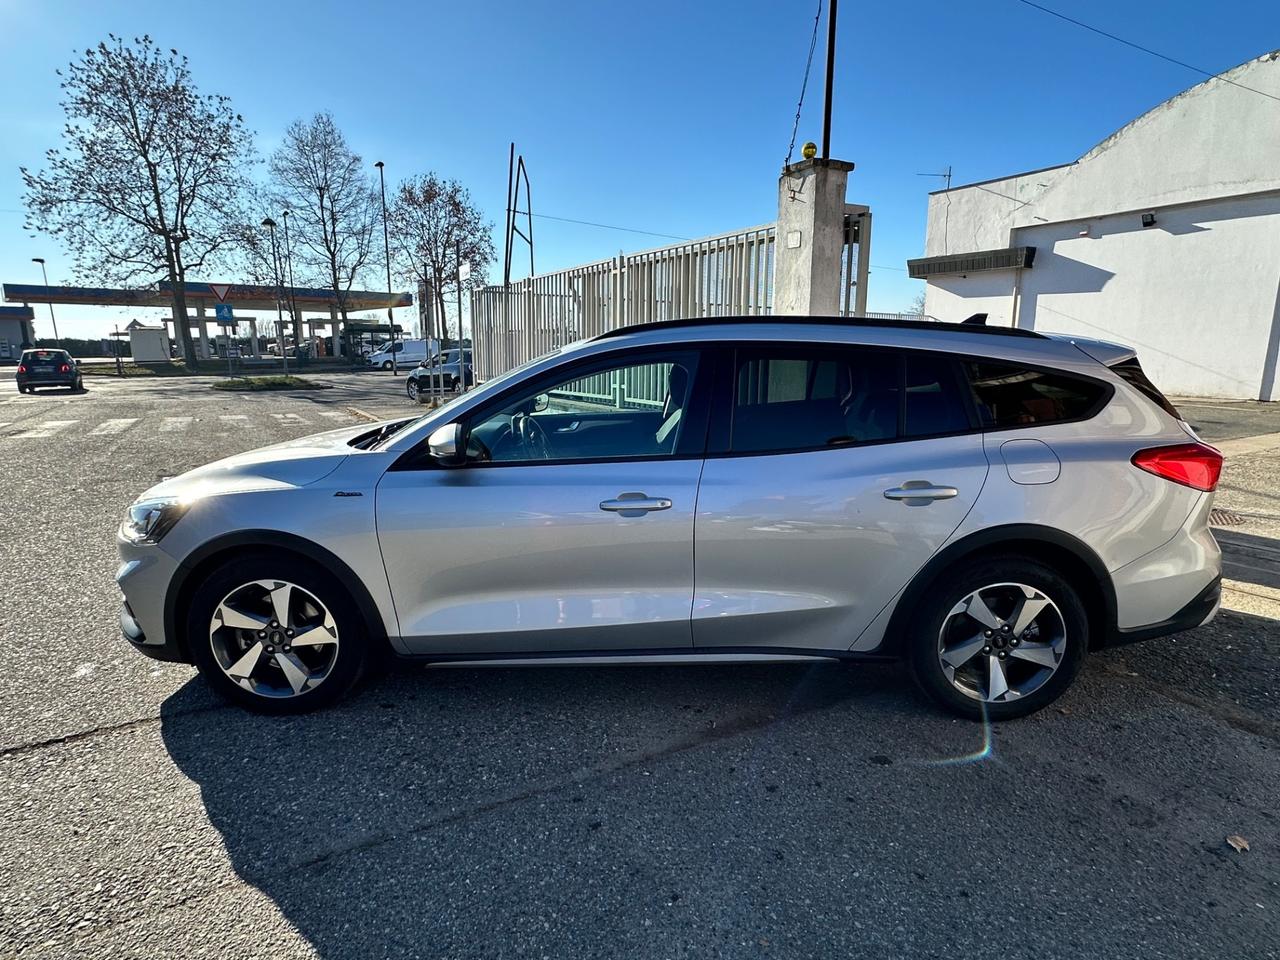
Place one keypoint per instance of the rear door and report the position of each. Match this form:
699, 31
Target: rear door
835, 473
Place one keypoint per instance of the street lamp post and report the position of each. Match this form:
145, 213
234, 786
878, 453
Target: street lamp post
45, 274
386, 247
275, 262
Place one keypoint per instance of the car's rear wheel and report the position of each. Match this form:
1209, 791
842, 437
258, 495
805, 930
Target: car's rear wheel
1000, 639
411, 388
277, 634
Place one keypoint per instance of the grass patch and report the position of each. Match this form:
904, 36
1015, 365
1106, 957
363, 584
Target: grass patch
276, 381
160, 368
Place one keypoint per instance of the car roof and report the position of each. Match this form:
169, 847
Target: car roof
1003, 343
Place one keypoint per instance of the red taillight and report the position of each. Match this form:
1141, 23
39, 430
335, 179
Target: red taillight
64, 369
1195, 465
22, 368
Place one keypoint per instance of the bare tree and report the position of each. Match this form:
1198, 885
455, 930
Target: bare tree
916, 307
433, 224
333, 200
147, 182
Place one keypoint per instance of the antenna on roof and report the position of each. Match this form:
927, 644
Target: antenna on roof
945, 176
977, 320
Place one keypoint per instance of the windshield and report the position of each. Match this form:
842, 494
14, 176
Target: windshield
485, 389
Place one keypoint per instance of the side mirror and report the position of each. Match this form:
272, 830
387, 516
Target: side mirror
541, 402
445, 445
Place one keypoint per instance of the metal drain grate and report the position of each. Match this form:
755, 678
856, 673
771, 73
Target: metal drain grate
1220, 517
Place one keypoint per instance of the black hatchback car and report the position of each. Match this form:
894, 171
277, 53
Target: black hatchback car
48, 368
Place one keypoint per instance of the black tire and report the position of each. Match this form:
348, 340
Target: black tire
411, 389
354, 644
386, 365
949, 589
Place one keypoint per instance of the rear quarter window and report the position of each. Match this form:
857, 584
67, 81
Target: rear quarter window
1009, 396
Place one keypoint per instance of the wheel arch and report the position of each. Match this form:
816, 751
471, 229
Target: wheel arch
209, 555
1070, 556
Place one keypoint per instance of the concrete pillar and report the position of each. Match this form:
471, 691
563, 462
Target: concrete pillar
204, 330
338, 348
810, 238
253, 338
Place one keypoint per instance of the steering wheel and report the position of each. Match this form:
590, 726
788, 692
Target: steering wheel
532, 437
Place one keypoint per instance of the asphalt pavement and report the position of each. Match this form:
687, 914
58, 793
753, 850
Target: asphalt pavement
708, 811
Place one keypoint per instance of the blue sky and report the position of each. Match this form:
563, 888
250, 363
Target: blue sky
671, 117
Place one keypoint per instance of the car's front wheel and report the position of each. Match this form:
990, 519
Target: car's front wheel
411, 388
277, 634
386, 364
999, 639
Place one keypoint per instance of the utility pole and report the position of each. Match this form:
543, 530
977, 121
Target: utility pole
831, 73
386, 246
52, 318
275, 260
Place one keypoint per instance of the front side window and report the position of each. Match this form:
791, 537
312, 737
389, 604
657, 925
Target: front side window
630, 410
1012, 396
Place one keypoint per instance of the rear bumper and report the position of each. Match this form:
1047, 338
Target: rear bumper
1177, 586
1197, 612
61, 380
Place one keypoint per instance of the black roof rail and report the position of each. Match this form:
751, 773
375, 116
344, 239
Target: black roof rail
933, 325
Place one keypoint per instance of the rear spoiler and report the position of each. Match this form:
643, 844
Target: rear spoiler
1104, 351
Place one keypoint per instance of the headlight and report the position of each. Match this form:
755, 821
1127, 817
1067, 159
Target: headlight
149, 520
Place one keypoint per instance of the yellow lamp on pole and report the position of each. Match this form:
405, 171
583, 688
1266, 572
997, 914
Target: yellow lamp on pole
809, 150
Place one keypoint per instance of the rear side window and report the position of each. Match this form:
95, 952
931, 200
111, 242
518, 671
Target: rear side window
805, 401
932, 398
1131, 372
1013, 396
808, 399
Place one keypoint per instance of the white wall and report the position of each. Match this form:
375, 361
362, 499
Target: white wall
1198, 294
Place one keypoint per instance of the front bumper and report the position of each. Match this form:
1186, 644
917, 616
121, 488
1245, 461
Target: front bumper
144, 576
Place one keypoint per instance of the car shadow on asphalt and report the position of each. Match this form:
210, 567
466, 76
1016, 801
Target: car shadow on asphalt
363, 823
634, 811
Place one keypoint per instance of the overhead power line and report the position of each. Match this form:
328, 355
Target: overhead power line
1147, 50
808, 64
605, 226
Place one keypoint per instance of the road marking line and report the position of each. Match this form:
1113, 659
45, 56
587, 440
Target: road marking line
288, 418
46, 429
232, 417
116, 425
174, 424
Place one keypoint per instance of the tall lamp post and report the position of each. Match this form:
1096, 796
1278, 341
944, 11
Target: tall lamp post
45, 274
275, 262
386, 247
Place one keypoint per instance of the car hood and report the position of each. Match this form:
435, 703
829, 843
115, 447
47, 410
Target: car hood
294, 463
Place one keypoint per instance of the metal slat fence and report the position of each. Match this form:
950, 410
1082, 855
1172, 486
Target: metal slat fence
722, 276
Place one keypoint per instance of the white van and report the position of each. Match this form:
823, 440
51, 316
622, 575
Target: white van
407, 353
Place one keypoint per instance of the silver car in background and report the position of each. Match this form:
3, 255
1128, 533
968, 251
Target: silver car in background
989, 504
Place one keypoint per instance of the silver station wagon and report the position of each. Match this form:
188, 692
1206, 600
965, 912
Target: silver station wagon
988, 504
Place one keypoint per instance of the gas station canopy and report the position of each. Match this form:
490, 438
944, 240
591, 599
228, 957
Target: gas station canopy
245, 296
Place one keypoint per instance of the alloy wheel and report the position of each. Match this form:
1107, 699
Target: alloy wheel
411, 387
273, 638
1002, 642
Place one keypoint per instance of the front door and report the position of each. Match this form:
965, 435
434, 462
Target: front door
571, 525
835, 474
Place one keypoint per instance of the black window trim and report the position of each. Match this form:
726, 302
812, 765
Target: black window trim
417, 457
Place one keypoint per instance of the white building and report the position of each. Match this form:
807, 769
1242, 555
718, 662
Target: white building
1165, 236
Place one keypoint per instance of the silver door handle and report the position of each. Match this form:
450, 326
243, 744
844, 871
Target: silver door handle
635, 504
921, 490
